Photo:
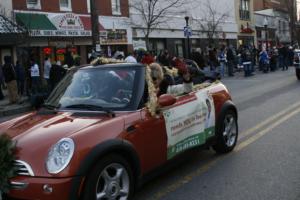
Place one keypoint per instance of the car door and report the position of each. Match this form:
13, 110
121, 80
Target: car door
177, 128
148, 135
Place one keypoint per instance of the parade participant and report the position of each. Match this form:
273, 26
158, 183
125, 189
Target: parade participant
147, 59
164, 87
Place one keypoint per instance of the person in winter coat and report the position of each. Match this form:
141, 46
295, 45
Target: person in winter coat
231, 60
264, 60
57, 73
222, 60
35, 77
47, 68
10, 80
20, 76
246, 61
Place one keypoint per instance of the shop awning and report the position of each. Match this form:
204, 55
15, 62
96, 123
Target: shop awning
86, 20
34, 21
9, 27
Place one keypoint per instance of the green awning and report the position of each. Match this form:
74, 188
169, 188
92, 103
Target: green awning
34, 21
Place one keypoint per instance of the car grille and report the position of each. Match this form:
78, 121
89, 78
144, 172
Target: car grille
23, 168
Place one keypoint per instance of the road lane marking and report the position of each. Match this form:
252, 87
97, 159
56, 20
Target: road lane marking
204, 168
258, 135
267, 121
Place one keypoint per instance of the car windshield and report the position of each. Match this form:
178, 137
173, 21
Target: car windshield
95, 89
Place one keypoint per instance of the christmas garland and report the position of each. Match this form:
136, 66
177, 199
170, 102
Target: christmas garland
7, 171
103, 61
152, 104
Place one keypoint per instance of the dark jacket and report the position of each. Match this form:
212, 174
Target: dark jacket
20, 72
8, 72
57, 73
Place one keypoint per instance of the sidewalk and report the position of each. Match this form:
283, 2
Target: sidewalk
7, 109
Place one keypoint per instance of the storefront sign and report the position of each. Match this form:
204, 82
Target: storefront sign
68, 21
59, 33
114, 37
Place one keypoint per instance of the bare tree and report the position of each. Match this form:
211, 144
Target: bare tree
210, 21
153, 13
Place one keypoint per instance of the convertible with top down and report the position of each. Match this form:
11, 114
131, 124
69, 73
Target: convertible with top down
96, 137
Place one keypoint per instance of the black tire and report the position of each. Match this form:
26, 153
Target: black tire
222, 145
298, 74
93, 177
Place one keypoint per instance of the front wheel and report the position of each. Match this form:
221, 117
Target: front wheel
111, 178
227, 132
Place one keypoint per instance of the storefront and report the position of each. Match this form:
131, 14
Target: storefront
60, 36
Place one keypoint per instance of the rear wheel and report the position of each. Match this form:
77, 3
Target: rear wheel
110, 179
298, 74
227, 132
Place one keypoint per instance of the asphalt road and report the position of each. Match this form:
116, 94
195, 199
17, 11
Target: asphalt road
266, 162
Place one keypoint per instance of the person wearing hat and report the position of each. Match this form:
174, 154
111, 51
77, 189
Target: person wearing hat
10, 79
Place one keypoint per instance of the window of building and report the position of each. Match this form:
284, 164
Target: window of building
88, 3
65, 5
116, 7
245, 10
33, 4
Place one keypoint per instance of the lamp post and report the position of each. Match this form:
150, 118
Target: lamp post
188, 36
266, 31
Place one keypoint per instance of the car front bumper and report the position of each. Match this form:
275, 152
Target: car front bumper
32, 188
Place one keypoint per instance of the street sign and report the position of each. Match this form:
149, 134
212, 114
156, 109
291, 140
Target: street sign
187, 31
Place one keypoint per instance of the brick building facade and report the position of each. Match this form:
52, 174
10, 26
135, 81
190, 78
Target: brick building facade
269, 4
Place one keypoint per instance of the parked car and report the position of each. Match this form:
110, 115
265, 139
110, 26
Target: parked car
297, 62
94, 138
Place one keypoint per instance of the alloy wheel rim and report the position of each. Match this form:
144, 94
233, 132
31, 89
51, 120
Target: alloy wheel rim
113, 183
230, 130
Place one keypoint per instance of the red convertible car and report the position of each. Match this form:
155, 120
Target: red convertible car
95, 138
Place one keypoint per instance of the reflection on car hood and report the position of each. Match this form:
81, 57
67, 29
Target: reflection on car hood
35, 130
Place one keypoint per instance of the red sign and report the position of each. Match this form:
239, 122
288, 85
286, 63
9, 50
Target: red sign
61, 51
47, 51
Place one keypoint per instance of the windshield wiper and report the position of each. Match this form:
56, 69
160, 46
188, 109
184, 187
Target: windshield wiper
92, 108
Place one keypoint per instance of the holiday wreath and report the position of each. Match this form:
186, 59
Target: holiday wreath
7, 171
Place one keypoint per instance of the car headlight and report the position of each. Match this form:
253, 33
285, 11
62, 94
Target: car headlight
60, 155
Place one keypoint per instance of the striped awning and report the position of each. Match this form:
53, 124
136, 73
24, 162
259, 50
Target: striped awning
9, 27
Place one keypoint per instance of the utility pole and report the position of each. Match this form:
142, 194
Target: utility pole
95, 26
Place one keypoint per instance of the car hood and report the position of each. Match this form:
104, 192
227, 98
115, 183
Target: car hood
35, 130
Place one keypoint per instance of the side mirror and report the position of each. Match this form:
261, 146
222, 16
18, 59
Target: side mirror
166, 100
